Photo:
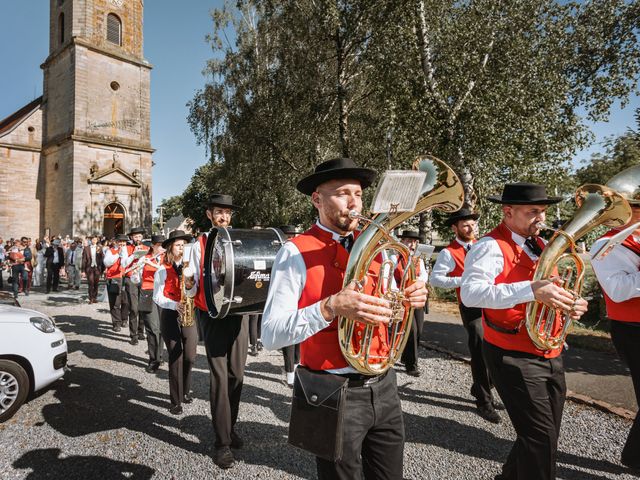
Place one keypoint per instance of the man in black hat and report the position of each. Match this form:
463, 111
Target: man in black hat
411, 238
306, 297
447, 273
147, 310
225, 341
114, 271
498, 273
131, 286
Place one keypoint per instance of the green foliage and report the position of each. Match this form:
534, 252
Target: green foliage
492, 88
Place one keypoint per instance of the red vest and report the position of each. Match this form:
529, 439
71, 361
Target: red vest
458, 253
518, 267
172, 284
199, 301
148, 271
115, 270
626, 311
326, 261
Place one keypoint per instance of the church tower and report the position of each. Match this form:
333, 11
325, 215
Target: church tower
95, 174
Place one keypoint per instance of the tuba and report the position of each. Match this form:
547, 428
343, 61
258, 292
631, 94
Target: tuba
439, 188
188, 313
597, 205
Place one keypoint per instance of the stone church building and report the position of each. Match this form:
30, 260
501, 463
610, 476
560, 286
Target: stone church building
77, 160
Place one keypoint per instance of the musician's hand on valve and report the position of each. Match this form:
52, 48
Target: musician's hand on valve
579, 308
416, 294
552, 295
352, 304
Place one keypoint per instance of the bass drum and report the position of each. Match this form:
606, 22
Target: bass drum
237, 269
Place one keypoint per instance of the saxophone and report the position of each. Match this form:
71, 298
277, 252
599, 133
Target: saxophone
187, 317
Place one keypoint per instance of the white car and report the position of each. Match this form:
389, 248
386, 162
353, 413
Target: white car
33, 354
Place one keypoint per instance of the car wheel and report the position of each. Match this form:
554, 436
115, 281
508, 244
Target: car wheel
14, 388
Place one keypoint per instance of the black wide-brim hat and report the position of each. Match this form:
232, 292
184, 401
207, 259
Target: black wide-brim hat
462, 214
136, 230
122, 238
410, 234
176, 235
337, 168
219, 200
522, 193
157, 239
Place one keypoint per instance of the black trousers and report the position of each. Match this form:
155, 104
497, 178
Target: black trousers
151, 321
93, 279
291, 355
226, 344
53, 276
410, 354
373, 441
19, 272
118, 306
626, 339
136, 327
255, 328
472, 321
181, 345
533, 391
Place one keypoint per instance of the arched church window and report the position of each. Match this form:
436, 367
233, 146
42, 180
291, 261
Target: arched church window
114, 29
61, 27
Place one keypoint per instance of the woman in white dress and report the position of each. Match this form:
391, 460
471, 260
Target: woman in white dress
38, 273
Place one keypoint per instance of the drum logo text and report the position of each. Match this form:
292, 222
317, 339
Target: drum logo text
259, 276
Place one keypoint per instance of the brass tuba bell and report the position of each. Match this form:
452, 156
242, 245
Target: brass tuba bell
440, 189
597, 205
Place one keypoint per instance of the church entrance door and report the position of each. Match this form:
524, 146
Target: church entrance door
113, 220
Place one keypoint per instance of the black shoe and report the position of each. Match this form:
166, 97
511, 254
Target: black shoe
223, 457
134, 340
175, 410
253, 350
141, 336
47, 291
489, 414
413, 371
259, 345
236, 441
187, 399
152, 367
117, 328
634, 465
497, 404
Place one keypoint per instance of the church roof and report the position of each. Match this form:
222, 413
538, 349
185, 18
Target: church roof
17, 117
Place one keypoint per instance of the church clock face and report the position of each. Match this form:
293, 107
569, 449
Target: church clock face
117, 3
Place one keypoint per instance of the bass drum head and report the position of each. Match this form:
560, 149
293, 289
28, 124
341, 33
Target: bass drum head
238, 269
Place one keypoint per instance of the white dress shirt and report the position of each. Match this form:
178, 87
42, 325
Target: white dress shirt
194, 264
483, 263
283, 323
444, 265
93, 256
619, 272
159, 279
55, 259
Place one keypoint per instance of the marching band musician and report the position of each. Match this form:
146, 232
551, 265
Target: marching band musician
447, 273
619, 276
306, 297
147, 308
113, 258
410, 354
181, 341
131, 288
225, 341
497, 277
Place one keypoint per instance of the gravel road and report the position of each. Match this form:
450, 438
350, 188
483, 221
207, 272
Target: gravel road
108, 419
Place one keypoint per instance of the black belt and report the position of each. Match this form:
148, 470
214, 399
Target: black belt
498, 328
359, 380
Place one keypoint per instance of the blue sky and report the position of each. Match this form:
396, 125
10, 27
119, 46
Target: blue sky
174, 44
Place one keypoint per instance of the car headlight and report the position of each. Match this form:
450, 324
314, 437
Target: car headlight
43, 324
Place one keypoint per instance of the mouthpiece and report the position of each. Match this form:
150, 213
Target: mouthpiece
543, 226
353, 214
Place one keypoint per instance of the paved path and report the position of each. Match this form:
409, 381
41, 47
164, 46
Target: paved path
601, 376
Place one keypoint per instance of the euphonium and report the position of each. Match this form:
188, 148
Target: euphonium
187, 317
441, 189
597, 205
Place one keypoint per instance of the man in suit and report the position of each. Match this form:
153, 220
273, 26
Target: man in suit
92, 266
73, 261
55, 260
